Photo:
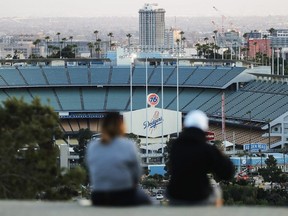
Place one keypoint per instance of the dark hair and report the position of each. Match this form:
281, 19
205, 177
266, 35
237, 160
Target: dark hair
111, 127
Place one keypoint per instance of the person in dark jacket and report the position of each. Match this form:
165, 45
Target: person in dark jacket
192, 158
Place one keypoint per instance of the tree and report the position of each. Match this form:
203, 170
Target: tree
134, 138
167, 151
96, 32
98, 47
36, 44
83, 137
129, 41
255, 44
181, 39
178, 46
16, 54
58, 36
27, 152
8, 56
64, 41
90, 47
271, 30
110, 35
47, 38
271, 173
71, 40
68, 51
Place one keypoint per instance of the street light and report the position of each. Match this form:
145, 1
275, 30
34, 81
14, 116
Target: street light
284, 152
133, 56
250, 135
260, 152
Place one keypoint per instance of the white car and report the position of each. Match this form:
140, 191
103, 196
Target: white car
159, 197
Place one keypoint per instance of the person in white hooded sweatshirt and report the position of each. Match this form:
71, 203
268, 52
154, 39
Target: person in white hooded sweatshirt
191, 159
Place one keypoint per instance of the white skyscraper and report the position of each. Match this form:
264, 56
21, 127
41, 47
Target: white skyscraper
151, 28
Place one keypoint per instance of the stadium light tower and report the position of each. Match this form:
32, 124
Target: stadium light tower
177, 88
132, 56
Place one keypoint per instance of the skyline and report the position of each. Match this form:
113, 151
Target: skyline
128, 8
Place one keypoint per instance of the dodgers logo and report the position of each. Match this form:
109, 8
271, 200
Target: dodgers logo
154, 122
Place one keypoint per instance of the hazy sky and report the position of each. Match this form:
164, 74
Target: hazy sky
94, 8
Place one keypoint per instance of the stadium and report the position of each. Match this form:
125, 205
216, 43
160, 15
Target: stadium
256, 102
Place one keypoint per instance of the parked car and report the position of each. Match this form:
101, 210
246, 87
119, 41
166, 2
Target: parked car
159, 197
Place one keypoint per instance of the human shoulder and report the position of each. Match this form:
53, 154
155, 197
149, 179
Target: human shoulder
125, 141
93, 144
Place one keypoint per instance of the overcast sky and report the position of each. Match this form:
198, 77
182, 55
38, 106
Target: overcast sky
94, 8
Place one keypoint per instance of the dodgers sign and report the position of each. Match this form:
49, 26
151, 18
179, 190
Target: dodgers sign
154, 122
255, 147
153, 99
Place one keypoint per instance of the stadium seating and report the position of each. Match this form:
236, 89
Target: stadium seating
33, 76
69, 99
215, 77
12, 77
93, 98
56, 75
100, 75
242, 135
78, 75
46, 96
117, 98
155, 79
120, 75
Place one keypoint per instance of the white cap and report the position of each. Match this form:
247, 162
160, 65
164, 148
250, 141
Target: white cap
197, 119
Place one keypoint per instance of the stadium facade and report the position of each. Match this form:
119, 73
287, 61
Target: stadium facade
83, 94
256, 102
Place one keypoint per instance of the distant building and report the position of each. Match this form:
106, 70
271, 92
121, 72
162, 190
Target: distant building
151, 28
279, 38
259, 45
171, 35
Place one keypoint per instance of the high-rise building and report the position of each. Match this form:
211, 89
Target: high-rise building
151, 28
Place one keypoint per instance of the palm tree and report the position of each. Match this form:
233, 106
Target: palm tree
90, 46
206, 40
64, 40
271, 30
47, 38
74, 46
129, 40
181, 38
177, 42
58, 36
98, 47
36, 44
266, 47
110, 35
96, 35
214, 46
71, 39
198, 48
255, 43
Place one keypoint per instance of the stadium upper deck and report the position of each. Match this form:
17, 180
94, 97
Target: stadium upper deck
208, 77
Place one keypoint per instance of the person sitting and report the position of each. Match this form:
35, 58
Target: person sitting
192, 158
114, 167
